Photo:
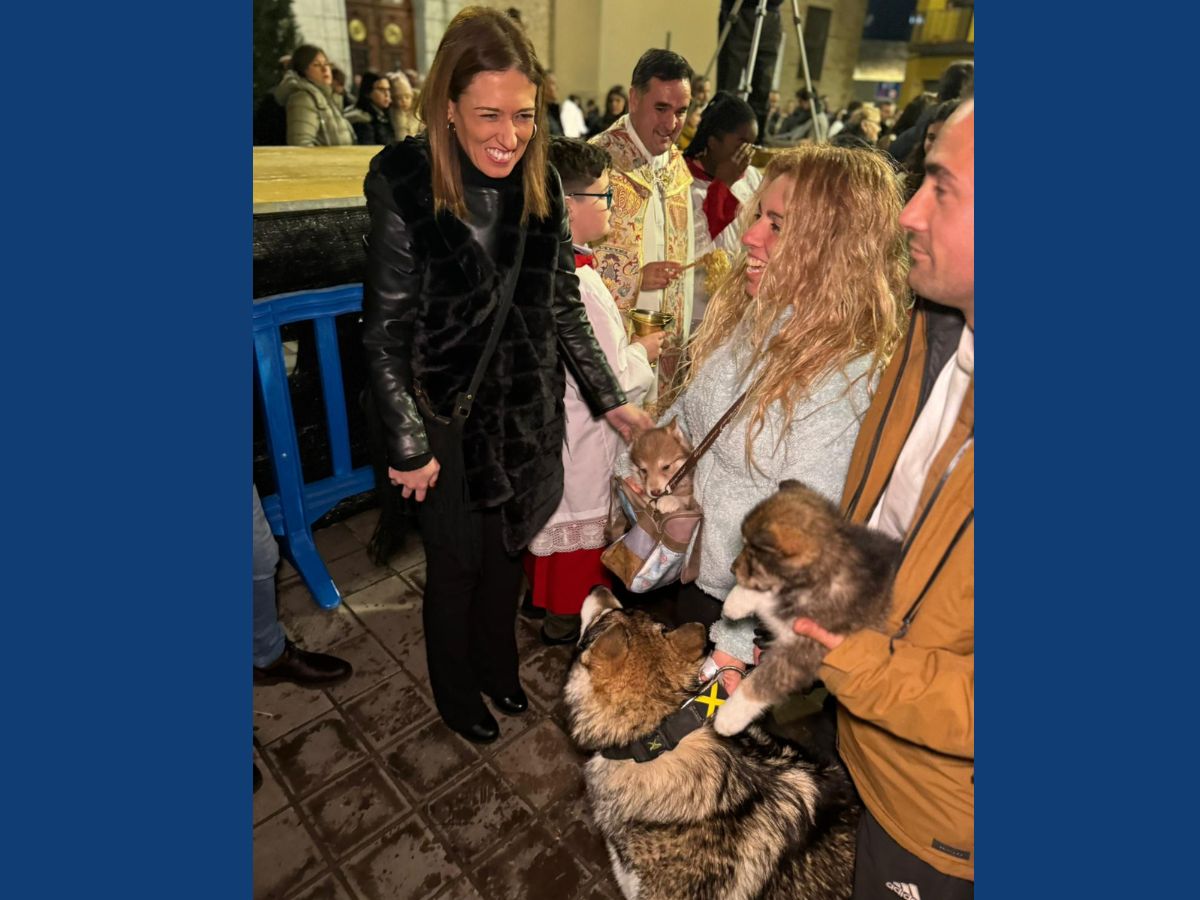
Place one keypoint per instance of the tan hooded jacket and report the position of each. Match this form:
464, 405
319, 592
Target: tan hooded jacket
906, 715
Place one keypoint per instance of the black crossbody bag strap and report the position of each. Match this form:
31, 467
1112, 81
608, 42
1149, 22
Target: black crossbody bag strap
464, 399
708, 441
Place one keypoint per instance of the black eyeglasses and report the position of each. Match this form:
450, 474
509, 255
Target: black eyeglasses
607, 195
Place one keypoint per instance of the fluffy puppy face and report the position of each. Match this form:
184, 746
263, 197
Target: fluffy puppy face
786, 539
789, 542
630, 671
657, 454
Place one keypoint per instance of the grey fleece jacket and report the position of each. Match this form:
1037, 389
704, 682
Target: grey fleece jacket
815, 450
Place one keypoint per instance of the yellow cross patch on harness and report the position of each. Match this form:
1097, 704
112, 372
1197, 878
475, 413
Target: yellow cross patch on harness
710, 699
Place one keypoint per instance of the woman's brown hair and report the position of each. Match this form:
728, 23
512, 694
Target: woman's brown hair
840, 263
477, 40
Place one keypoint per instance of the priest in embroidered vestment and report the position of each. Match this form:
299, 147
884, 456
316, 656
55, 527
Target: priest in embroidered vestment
641, 261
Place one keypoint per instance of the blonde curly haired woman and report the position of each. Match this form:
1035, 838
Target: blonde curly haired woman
806, 321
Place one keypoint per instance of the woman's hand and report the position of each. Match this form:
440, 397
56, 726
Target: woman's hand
653, 343
657, 275
417, 481
731, 169
729, 680
629, 420
809, 628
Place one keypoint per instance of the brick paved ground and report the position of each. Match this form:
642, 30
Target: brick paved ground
368, 795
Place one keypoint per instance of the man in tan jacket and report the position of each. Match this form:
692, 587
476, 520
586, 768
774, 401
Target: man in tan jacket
906, 695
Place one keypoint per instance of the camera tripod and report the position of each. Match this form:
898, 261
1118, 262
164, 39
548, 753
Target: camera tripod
819, 127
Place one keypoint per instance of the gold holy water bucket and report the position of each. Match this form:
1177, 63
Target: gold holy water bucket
647, 321
760, 158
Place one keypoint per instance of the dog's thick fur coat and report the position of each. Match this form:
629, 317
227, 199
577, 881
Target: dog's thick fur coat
716, 818
801, 558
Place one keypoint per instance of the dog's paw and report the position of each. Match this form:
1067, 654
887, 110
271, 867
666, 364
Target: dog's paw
735, 714
744, 601
668, 504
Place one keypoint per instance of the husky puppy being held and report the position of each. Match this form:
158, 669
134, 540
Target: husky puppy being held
800, 558
657, 454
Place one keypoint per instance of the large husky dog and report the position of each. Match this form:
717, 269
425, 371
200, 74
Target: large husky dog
800, 558
715, 818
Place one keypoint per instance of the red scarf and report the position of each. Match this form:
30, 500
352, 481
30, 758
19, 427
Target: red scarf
720, 205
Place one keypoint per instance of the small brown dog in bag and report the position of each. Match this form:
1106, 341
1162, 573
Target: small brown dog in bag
657, 454
654, 526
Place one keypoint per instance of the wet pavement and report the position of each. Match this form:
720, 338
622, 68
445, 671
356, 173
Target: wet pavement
366, 794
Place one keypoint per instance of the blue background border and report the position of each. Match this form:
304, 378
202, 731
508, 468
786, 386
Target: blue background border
127, 364
1086, 495
127, 374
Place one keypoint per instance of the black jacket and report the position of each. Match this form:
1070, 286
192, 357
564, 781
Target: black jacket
378, 130
430, 290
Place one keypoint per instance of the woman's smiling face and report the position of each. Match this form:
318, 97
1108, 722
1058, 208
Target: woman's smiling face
763, 233
494, 120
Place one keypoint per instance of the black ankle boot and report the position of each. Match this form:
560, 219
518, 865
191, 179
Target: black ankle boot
512, 704
483, 731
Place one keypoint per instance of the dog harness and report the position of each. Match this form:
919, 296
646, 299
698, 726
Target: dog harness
695, 711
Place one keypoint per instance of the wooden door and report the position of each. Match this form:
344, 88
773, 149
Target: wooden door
381, 35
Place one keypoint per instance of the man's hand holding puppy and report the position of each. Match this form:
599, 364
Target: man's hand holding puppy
809, 628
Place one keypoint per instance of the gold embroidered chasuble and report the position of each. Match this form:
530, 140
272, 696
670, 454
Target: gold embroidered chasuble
619, 255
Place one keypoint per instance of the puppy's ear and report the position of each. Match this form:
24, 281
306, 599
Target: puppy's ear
677, 433
610, 647
599, 600
690, 640
798, 548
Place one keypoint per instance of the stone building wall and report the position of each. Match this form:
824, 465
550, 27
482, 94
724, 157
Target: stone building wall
538, 18
841, 50
323, 22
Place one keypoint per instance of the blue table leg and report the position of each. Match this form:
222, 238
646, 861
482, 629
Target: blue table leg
285, 452
302, 552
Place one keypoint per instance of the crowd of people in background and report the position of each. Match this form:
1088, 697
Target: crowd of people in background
312, 106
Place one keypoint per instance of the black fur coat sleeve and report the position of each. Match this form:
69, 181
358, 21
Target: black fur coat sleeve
391, 303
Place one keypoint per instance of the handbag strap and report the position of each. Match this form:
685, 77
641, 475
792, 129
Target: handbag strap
464, 399
709, 440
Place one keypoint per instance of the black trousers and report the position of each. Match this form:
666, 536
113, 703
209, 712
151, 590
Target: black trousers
469, 614
675, 605
693, 605
735, 54
883, 870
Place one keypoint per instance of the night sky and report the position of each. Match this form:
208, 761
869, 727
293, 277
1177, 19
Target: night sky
887, 20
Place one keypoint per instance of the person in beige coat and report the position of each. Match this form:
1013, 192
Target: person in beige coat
314, 117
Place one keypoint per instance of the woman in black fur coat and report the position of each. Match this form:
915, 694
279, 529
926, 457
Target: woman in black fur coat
372, 124
448, 212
